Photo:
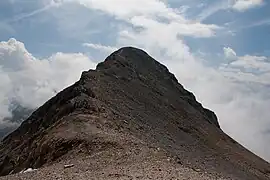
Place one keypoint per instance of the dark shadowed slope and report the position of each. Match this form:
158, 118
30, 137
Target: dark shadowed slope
129, 113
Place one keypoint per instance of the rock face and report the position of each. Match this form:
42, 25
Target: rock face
130, 102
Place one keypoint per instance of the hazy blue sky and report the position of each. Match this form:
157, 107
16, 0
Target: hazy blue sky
218, 49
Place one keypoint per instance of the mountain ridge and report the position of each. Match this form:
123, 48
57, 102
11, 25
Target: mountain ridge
129, 102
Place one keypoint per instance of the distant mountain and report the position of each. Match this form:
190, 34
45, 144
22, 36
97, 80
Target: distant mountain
128, 119
19, 114
5, 131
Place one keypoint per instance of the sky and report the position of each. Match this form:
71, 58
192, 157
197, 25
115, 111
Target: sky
218, 49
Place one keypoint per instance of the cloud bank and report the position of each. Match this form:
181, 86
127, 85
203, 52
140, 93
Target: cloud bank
30, 81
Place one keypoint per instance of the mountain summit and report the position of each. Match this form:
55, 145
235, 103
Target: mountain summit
128, 119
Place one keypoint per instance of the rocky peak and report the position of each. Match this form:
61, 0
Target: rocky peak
129, 103
131, 63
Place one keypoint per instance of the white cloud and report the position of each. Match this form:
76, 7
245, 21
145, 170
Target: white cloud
132, 8
31, 81
194, 29
136, 14
229, 53
253, 64
249, 101
243, 5
106, 49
